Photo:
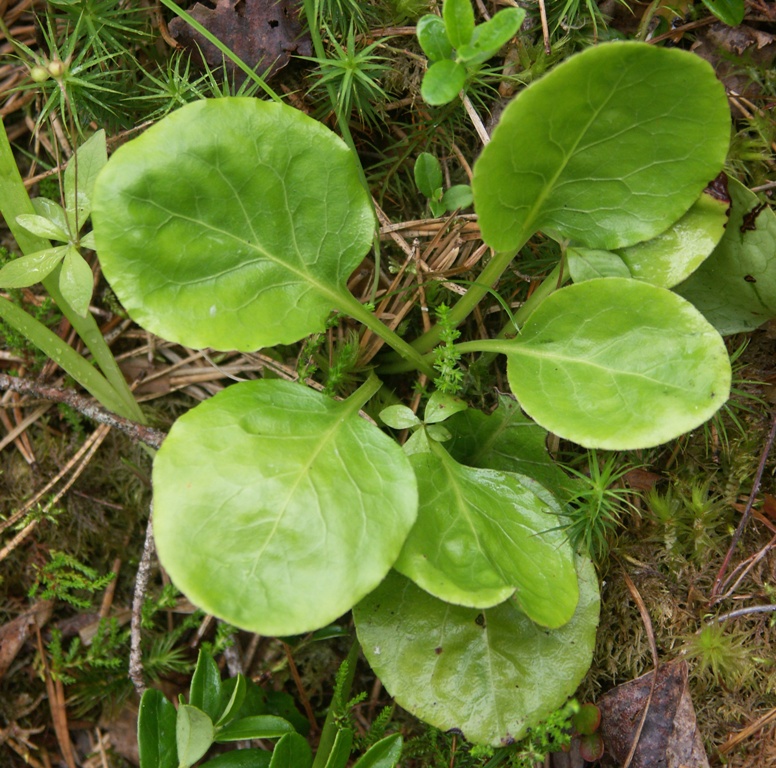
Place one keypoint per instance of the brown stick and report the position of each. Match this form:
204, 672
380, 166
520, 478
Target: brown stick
85, 406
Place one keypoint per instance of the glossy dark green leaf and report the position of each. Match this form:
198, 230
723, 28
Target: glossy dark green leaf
205, 691
256, 727
433, 38
194, 734
442, 82
618, 364
232, 223
277, 508
292, 751
607, 150
735, 287
156, 722
490, 673
483, 535
730, 12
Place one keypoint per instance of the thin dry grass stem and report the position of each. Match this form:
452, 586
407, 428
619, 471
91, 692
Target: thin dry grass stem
19, 442
110, 590
479, 126
24, 425
58, 706
303, 697
463, 161
745, 567
74, 468
740, 737
647, 621
545, 27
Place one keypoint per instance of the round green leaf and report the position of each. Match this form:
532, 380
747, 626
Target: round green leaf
232, 223
458, 196
277, 508
399, 417
488, 37
442, 82
483, 535
735, 287
675, 254
607, 150
441, 406
618, 364
76, 281
32, 268
491, 673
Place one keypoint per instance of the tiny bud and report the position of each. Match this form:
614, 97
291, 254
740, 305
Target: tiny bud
39, 74
57, 68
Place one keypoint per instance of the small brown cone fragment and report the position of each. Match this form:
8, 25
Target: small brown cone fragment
670, 737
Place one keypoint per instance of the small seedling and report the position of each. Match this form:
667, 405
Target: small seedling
428, 178
457, 48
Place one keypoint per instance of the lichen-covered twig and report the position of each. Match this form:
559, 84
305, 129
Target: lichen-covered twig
141, 585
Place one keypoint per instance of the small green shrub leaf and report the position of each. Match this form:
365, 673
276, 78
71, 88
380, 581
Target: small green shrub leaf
80, 176
441, 406
232, 223
277, 508
458, 16
735, 287
205, 690
428, 173
43, 227
489, 37
292, 751
76, 281
491, 673
385, 754
156, 722
235, 701
194, 734
255, 727
675, 254
618, 364
433, 38
591, 263
241, 758
28, 270
607, 150
341, 749
442, 82
399, 417
483, 535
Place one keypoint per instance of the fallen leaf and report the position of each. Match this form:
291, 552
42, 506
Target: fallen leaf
263, 33
670, 737
14, 634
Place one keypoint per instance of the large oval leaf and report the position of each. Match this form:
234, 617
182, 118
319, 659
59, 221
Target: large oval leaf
608, 149
618, 364
482, 535
232, 223
276, 508
735, 287
491, 673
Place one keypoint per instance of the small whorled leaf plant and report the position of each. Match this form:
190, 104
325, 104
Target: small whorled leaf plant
235, 224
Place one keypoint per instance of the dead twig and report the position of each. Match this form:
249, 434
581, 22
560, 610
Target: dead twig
85, 406
141, 585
